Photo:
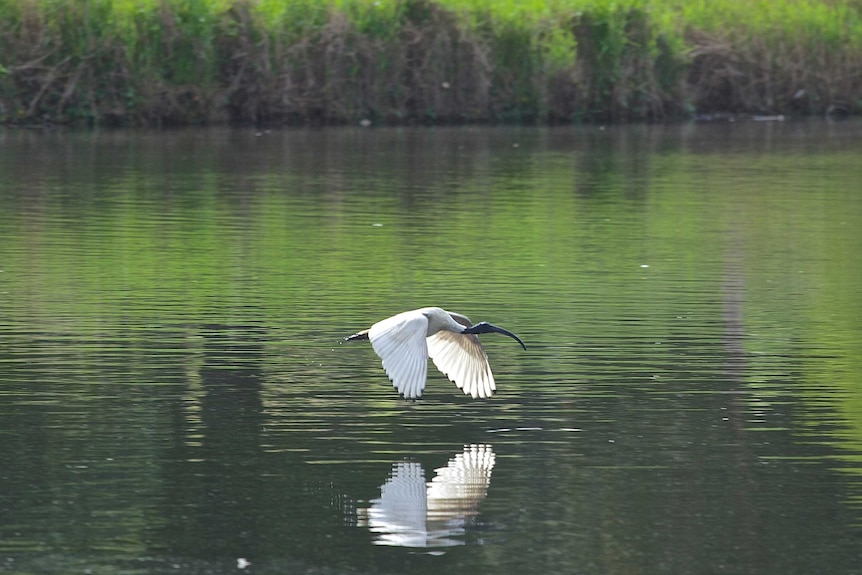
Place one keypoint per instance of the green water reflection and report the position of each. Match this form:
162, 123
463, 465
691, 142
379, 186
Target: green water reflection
173, 390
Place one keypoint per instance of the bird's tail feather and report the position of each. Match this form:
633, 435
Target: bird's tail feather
358, 335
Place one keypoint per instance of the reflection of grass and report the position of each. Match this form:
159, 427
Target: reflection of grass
173, 242
429, 60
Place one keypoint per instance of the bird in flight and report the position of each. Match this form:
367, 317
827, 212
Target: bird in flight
405, 342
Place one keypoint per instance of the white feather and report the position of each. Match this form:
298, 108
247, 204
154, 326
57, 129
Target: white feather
400, 343
405, 342
462, 359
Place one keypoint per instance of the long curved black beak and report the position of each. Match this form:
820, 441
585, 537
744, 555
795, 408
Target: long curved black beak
485, 327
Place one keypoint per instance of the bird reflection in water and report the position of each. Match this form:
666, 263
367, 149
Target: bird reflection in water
411, 512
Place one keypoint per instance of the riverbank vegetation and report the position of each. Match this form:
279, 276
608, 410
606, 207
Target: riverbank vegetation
175, 62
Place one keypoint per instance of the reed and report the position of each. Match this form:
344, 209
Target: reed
158, 62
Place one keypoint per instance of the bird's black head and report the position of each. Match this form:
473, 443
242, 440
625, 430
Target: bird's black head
485, 327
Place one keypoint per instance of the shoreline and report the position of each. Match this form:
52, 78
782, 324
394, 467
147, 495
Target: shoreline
271, 63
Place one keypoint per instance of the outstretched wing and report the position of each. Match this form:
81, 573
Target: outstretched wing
400, 343
462, 358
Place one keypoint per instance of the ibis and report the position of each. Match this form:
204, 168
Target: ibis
405, 342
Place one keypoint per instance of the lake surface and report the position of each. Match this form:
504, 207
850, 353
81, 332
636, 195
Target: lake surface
175, 395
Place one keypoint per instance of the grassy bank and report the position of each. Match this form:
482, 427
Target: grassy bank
159, 62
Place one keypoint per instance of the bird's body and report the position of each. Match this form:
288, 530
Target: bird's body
405, 342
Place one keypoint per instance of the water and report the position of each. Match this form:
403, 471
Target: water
175, 396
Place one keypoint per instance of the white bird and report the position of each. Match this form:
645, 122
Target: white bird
405, 342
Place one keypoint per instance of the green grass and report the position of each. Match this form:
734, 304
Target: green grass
270, 61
